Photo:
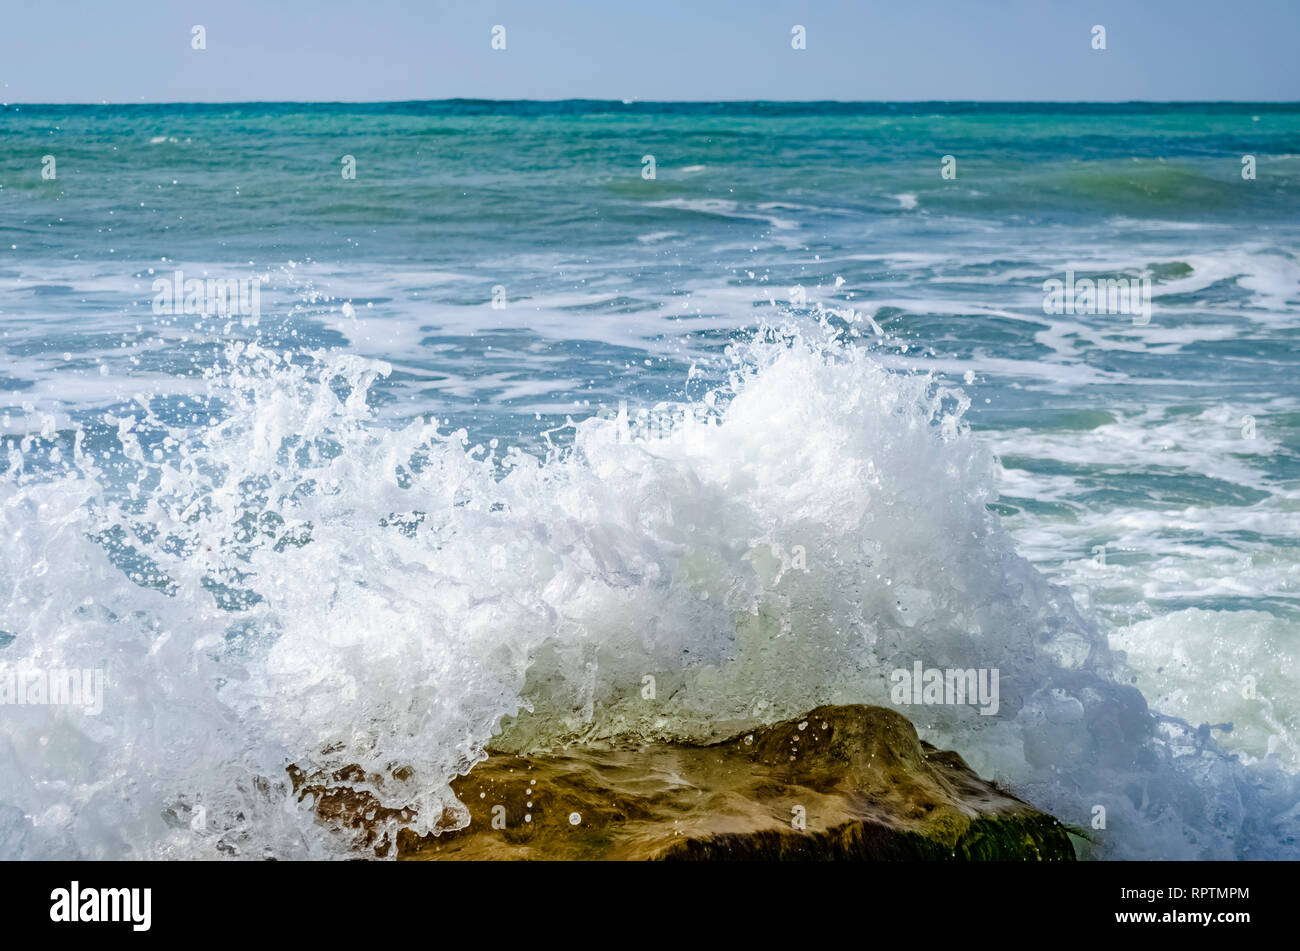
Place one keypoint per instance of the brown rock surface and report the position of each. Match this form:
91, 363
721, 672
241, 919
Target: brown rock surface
845, 782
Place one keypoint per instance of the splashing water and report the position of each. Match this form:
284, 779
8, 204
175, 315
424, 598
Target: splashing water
285, 582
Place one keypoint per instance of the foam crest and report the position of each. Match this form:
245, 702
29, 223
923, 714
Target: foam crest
282, 580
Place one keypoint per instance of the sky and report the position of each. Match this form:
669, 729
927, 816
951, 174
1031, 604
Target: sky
57, 51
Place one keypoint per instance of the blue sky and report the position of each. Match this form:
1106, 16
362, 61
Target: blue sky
366, 50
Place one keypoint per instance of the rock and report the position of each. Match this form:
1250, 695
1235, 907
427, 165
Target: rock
842, 782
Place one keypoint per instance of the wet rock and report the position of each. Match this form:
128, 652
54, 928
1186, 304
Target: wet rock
842, 782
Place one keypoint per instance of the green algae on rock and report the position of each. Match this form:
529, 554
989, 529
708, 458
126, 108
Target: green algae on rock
842, 782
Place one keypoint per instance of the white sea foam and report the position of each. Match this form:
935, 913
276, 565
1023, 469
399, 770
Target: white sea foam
1238, 668
298, 584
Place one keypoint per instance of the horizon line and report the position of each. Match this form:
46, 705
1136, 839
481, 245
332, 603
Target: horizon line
668, 102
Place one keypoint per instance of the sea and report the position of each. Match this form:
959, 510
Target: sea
377, 435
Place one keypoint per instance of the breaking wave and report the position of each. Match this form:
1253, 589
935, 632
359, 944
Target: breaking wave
279, 579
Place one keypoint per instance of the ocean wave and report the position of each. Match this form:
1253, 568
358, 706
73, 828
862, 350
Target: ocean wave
282, 580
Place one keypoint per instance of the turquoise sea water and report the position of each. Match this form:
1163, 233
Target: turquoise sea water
305, 520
